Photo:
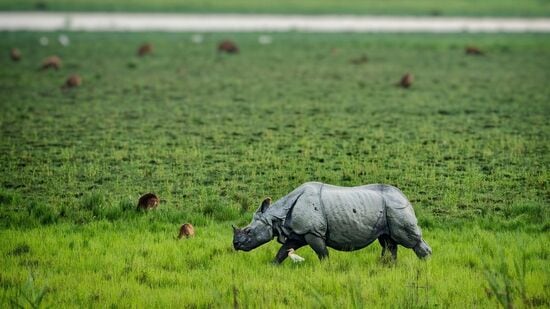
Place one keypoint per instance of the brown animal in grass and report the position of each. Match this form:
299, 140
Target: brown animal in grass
406, 81
472, 50
73, 81
228, 47
148, 201
186, 230
15, 54
145, 49
360, 60
52, 62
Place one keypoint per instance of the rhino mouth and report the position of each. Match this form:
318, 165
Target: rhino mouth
242, 247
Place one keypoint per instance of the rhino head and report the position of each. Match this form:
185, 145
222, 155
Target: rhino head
257, 233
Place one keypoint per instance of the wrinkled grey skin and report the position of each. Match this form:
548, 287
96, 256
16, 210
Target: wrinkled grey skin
343, 218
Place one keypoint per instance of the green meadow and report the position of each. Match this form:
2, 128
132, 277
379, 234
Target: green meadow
213, 134
370, 7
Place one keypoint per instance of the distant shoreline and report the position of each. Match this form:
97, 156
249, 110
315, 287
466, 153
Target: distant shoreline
65, 21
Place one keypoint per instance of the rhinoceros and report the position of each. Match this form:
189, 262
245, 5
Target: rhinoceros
343, 218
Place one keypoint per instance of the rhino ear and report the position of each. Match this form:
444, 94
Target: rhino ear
265, 204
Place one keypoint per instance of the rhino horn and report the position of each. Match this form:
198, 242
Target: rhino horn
235, 229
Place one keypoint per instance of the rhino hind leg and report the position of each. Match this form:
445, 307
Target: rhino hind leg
422, 249
318, 245
388, 244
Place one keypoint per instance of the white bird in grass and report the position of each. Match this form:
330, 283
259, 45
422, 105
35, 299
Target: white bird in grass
295, 257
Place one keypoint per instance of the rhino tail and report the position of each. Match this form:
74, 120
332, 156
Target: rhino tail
422, 249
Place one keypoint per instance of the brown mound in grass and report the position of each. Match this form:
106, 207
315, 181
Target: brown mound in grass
186, 230
145, 49
148, 201
15, 54
52, 62
360, 60
406, 81
472, 50
228, 47
73, 81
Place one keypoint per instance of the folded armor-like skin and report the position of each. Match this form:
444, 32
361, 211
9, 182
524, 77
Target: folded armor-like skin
347, 218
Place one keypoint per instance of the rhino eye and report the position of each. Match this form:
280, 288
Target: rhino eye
247, 230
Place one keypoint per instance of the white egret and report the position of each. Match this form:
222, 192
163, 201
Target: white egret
295, 257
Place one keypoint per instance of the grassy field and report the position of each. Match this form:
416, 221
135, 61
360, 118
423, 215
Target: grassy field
394, 7
213, 134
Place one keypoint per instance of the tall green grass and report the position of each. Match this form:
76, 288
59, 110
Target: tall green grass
131, 264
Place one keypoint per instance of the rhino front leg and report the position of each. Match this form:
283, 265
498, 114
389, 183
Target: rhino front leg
318, 245
282, 254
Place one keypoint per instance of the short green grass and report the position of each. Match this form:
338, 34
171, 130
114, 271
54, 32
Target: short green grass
371, 7
213, 134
